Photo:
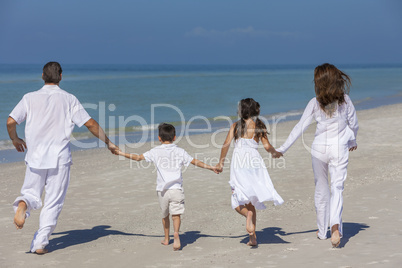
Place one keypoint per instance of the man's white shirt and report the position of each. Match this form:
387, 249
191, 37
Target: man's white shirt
50, 115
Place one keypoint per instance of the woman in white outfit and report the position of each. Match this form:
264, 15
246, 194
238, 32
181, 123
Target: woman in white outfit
335, 136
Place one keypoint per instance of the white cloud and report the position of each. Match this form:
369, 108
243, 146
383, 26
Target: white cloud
238, 32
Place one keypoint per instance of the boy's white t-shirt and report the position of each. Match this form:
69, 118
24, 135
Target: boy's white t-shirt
50, 115
168, 159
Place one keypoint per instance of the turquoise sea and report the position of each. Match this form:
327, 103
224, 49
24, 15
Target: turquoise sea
141, 96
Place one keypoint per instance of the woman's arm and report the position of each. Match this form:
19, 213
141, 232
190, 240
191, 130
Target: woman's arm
352, 122
300, 127
225, 147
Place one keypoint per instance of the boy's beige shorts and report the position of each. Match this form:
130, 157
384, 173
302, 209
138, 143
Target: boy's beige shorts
171, 201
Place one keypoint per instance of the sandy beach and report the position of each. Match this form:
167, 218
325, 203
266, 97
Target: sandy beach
111, 216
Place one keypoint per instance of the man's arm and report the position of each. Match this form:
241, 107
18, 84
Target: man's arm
18, 143
135, 157
98, 132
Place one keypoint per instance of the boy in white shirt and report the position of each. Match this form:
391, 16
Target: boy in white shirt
169, 159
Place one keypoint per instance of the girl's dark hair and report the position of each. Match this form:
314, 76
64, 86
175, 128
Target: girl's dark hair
52, 72
331, 85
166, 132
249, 108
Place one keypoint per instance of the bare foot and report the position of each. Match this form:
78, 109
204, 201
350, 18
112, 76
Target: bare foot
335, 239
176, 242
19, 218
165, 242
41, 251
253, 241
249, 223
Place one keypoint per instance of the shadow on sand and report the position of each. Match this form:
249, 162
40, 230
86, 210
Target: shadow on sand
76, 237
273, 235
350, 229
190, 237
269, 235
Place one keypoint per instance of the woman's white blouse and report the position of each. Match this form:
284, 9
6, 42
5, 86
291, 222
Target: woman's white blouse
340, 128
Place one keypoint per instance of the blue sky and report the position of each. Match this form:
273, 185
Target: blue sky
201, 32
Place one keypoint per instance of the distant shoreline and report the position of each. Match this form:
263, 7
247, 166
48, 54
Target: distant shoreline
11, 155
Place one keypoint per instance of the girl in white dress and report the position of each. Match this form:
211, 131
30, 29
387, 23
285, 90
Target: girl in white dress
249, 178
335, 136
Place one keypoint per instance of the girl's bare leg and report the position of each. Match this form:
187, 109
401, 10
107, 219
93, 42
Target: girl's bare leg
166, 228
176, 237
249, 212
251, 208
242, 210
253, 237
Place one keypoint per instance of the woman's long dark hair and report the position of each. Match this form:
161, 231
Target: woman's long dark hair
331, 85
249, 108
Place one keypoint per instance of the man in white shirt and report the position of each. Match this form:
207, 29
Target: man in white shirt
50, 115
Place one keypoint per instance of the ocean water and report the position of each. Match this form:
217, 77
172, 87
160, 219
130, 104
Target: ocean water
138, 97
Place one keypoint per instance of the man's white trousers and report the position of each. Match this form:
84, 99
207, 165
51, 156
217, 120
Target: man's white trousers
55, 183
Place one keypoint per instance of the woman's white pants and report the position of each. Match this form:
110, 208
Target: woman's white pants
329, 200
55, 183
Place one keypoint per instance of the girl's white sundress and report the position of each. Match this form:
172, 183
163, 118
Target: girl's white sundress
249, 177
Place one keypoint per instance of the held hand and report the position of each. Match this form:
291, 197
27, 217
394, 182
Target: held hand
113, 148
353, 148
276, 154
219, 167
216, 170
19, 144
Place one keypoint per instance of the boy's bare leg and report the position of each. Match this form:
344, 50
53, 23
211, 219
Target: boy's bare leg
19, 218
176, 237
166, 229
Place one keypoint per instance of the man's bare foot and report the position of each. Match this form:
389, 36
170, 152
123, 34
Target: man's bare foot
41, 251
249, 223
253, 241
165, 242
19, 218
176, 242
